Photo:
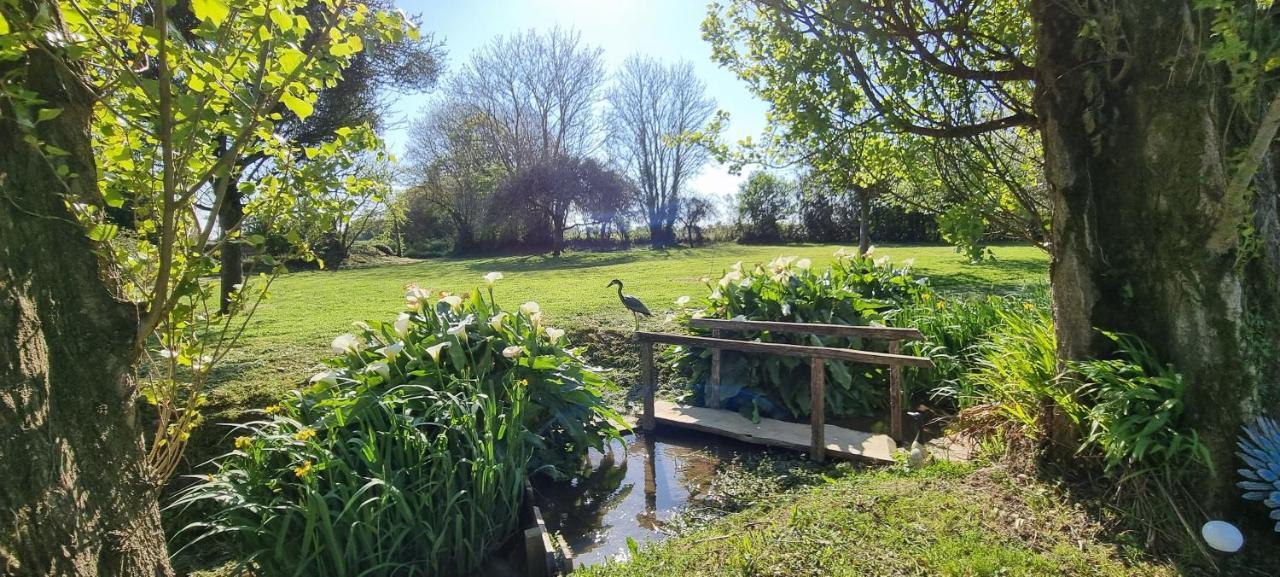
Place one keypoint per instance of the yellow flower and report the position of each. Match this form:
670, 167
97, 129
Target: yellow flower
941, 304
243, 442
301, 472
273, 409
304, 434
1028, 306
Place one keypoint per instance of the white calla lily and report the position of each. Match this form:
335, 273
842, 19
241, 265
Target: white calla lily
492, 277
495, 322
512, 351
415, 297
390, 351
454, 301
346, 343
329, 378
683, 300
434, 350
530, 308
554, 334
381, 368
402, 324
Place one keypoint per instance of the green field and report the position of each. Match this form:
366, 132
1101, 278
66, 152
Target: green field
291, 331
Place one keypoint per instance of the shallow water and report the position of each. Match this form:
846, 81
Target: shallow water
632, 492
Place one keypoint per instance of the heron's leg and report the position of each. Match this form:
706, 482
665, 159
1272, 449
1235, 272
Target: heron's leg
635, 315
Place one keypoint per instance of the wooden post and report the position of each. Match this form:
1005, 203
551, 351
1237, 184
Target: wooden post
817, 409
896, 412
649, 383
713, 387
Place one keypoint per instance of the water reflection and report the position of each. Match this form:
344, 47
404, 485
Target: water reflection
630, 491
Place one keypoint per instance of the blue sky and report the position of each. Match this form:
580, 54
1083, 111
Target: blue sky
666, 29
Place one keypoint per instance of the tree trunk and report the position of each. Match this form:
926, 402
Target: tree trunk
656, 238
229, 216
74, 494
1146, 240
864, 220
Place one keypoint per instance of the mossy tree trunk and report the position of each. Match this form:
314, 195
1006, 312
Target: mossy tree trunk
1148, 239
75, 498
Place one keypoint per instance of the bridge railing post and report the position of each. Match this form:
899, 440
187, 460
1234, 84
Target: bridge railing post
896, 412
713, 386
648, 384
817, 409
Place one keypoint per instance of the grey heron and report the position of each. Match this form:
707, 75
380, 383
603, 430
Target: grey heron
633, 304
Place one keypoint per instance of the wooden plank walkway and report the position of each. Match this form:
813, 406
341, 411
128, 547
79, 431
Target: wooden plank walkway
839, 442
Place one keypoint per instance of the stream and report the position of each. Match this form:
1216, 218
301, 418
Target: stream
632, 491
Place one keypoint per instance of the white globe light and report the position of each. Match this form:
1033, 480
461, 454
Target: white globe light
1222, 536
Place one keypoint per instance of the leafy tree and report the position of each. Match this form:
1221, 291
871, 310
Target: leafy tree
555, 188
104, 104
357, 98
827, 104
765, 200
653, 111
695, 210
1149, 112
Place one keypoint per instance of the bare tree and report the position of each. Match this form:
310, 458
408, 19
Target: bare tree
652, 109
452, 166
535, 95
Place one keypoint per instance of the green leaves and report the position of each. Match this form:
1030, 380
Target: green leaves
4, 25
296, 105
212, 11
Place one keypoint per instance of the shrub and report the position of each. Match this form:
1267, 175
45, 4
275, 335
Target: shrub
409, 455
953, 328
855, 290
1014, 375
1135, 417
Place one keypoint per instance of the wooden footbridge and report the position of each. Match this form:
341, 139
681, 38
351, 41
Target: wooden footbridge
819, 438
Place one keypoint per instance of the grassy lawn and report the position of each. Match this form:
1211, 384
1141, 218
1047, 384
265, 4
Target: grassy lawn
290, 333
945, 520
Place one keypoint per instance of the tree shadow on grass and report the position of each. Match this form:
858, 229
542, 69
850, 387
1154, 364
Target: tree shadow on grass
543, 262
1010, 275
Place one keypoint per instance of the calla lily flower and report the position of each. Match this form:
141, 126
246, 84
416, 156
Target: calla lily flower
683, 300
492, 277
732, 276
554, 334
416, 297
454, 301
328, 378
391, 350
530, 308
402, 324
804, 264
381, 368
434, 350
495, 322
512, 351
346, 343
